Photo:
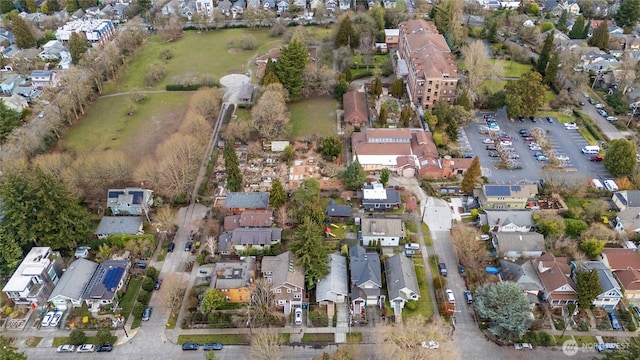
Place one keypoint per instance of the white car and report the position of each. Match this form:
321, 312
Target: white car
523, 346
572, 127
46, 320
562, 157
86, 348
65, 348
56, 319
570, 124
535, 147
297, 315
430, 345
487, 141
506, 143
611, 118
483, 237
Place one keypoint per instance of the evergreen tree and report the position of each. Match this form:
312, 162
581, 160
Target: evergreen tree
577, 31
270, 78
552, 69
471, 176
464, 101
382, 118
53, 5
307, 202
345, 33
377, 87
77, 46
340, 88
348, 75
24, 37
232, 168
524, 96
311, 251
600, 37
588, 287
278, 195
331, 147
354, 177
6, 6
405, 117
71, 6
628, 14
384, 176
290, 67
270, 67
492, 32
397, 88
31, 6
561, 24
452, 131
543, 60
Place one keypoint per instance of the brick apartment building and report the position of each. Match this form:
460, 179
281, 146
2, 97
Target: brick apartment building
426, 64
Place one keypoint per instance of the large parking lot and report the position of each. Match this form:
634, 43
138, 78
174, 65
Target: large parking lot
566, 145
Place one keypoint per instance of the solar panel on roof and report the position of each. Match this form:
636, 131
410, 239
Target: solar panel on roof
112, 278
137, 196
498, 190
516, 188
115, 194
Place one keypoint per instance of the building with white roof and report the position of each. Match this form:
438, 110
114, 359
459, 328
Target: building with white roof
97, 31
34, 279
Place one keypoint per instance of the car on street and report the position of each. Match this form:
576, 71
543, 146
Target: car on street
188, 245
582, 103
212, 346
523, 346
491, 147
86, 348
597, 158
599, 106
46, 320
591, 101
521, 118
532, 118
535, 147
442, 268
525, 134
432, 345
550, 120
573, 127
468, 296
65, 348
467, 156
570, 124
542, 158
450, 297
146, 315
171, 247
538, 153
506, 143
524, 131
562, 157
493, 154
55, 321
513, 156
483, 237
487, 141
529, 138
297, 315
157, 285
190, 346
603, 113
104, 348
611, 118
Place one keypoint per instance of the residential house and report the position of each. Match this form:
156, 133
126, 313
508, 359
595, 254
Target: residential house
334, 288
117, 225
241, 201
16, 103
402, 284
611, 292
525, 275
331, 5
286, 280
387, 4
366, 279
97, 31
301, 4
35, 278
51, 51
507, 220
11, 51
105, 283
129, 201
555, 275
626, 199
492, 196
204, 7
224, 7
10, 82
119, 11
391, 37
269, 4
42, 78
253, 4
625, 265
388, 231
249, 218
337, 213
246, 93
69, 290
628, 204
240, 240
355, 108
238, 7
428, 68
7, 37
514, 245
344, 4
282, 6
405, 151
233, 279
376, 197
313, 4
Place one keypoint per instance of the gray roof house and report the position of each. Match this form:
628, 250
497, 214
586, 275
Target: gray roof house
110, 225
388, 231
518, 244
628, 204
233, 278
524, 274
68, 292
366, 278
129, 201
507, 220
376, 197
286, 279
240, 201
334, 287
241, 239
626, 199
337, 212
402, 283
108, 278
611, 291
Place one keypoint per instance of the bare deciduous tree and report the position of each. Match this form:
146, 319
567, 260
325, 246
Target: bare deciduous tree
172, 291
265, 345
476, 60
403, 342
237, 130
471, 251
317, 80
172, 30
164, 219
53, 163
262, 302
270, 114
206, 103
196, 126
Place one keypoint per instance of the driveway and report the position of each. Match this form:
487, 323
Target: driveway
609, 131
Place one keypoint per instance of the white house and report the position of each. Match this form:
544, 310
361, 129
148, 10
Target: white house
68, 292
611, 293
35, 277
388, 231
333, 288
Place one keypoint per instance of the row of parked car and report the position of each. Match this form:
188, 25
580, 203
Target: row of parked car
51, 319
84, 348
205, 347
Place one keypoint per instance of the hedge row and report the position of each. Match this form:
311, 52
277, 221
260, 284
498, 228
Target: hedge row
194, 87
591, 127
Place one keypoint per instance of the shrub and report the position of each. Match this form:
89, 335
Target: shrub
153, 273
77, 337
144, 297
138, 309
148, 284
166, 54
411, 305
103, 336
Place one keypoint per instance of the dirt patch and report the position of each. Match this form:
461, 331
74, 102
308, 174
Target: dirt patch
156, 129
233, 51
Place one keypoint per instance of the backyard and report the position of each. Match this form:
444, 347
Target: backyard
316, 116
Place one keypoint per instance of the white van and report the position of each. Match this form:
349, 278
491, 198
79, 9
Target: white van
412, 246
591, 149
450, 296
610, 185
597, 184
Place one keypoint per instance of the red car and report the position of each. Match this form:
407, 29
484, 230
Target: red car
597, 158
529, 138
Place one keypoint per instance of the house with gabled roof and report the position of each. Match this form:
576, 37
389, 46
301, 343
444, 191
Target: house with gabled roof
402, 283
514, 245
72, 284
249, 219
366, 279
524, 274
334, 288
507, 220
336, 212
35, 278
344, 4
331, 5
494, 196
555, 275
234, 279
388, 231
241, 201
391, 37
106, 281
356, 112
611, 293
129, 201
376, 197
286, 279
282, 6
240, 240
625, 265
118, 225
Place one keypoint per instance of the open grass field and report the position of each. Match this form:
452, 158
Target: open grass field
492, 86
512, 68
313, 116
106, 124
213, 52
226, 339
425, 305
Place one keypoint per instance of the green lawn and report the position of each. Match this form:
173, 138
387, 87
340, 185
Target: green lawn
129, 299
512, 68
493, 86
426, 234
63, 340
226, 339
354, 338
425, 305
313, 337
106, 124
210, 52
558, 115
313, 116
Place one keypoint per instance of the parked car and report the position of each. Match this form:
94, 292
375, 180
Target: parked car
140, 265
171, 247
611, 118
538, 153
188, 245
104, 348
146, 315
442, 268
483, 237
190, 346
562, 157
468, 296
467, 156
297, 315
487, 141
614, 321
506, 143
65, 348
86, 348
513, 156
529, 138
55, 321
525, 134
535, 147
504, 138
450, 297
542, 158
599, 106
433, 345
490, 147
570, 124
524, 131
550, 120
523, 346
157, 285
532, 118
597, 158
412, 246
409, 253
493, 154
212, 346
573, 127
46, 320
591, 101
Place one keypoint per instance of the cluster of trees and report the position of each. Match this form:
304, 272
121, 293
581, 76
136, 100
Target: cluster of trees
620, 158
524, 96
505, 308
354, 176
232, 168
270, 115
444, 120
